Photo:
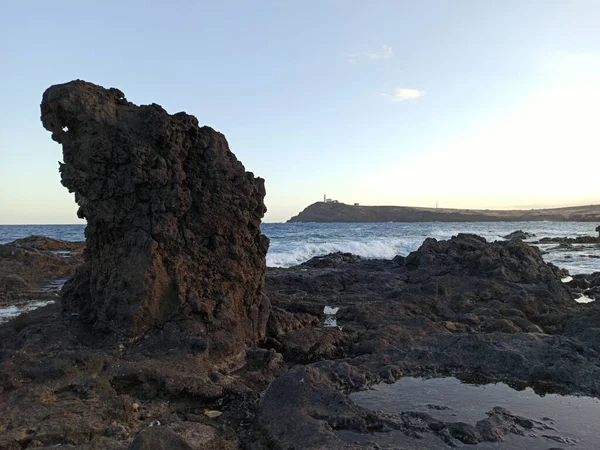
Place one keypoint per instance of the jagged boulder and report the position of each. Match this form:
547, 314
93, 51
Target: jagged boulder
469, 254
173, 232
519, 234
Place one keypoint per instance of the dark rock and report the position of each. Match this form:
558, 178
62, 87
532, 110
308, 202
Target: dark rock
47, 244
28, 265
400, 260
585, 284
159, 438
173, 232
501, 422
302, 408
331, 260
500, 325
520, 235
12, 282
483, 311
465, 433
468, 308
568, 240
471, 255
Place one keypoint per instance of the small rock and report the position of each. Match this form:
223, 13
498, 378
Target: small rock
213, 414
159, 439
518, 235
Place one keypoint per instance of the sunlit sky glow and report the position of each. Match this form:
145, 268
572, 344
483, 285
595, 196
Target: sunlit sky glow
474, 104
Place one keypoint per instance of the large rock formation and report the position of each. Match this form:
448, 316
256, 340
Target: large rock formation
173, 233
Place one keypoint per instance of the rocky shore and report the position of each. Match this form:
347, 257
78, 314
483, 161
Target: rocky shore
32, 269
172, 334
464, 307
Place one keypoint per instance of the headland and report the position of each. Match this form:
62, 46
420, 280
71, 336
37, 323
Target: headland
341, 212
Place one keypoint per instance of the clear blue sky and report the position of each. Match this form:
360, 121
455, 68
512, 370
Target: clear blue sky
472, 103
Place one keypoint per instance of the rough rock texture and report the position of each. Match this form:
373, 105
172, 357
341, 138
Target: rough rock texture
173, 231
28, 265
569, 240
519, 234
45, 244
463, 307
587, 285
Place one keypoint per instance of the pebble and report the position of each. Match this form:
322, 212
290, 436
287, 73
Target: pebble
212, 413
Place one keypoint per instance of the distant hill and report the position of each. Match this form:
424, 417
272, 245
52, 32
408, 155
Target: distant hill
340, 212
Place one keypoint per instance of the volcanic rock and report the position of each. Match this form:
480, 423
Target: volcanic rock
569, 240
519, 234
173, 232
158, 438
27, 265
462, 307
43, 243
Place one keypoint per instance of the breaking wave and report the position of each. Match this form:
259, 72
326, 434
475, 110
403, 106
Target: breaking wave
370, 249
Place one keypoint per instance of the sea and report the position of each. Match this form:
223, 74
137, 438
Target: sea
294, 243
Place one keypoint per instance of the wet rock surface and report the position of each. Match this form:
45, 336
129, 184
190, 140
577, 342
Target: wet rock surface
491, 416
519, 234
462, 307
173, 238
569, 240
586, 285
27, 266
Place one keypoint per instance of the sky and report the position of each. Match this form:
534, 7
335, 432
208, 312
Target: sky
471, 104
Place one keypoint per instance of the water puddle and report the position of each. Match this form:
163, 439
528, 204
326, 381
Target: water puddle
330, 319
561, 421
54, 285
584, 299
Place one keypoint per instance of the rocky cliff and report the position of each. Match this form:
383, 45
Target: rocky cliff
173, 233
340, 212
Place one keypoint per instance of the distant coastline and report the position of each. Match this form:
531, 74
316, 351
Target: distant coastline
324, 212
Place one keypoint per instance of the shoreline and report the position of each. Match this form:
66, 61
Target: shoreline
392, 317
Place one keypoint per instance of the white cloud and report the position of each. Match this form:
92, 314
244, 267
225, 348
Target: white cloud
403, 94
385, 52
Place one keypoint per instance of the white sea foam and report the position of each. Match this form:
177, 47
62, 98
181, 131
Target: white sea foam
331, 322
11, 312
566, 279
370, 249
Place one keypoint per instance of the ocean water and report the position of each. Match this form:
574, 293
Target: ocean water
294, 243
